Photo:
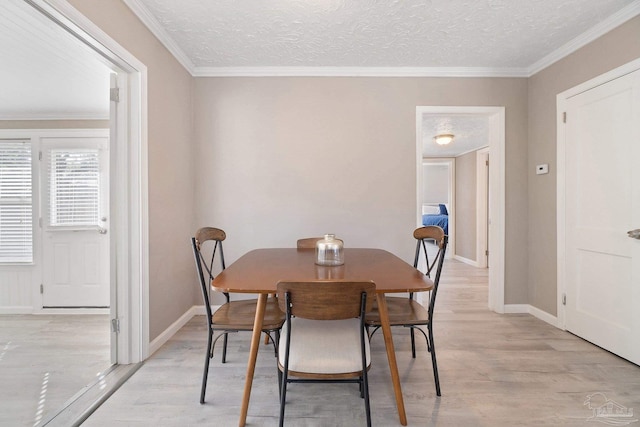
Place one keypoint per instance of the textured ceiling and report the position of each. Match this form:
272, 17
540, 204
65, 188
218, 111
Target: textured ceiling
495, 34
470, 133
47, 74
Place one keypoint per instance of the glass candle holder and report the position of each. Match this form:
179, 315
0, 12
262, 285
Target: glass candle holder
329, 251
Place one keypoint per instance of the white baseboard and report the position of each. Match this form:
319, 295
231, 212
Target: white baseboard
171, 330
31, 310
73, 311
534, 311
16, 310
196, 310
516, 308
543, 315
466, 260
200, 311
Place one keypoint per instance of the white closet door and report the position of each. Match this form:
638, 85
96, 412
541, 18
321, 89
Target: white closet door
602, 205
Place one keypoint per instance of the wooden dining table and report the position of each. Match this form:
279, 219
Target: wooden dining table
258, 272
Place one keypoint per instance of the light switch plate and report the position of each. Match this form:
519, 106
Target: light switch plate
542, 169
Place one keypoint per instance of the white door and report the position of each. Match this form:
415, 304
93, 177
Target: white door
602, 205
75, 188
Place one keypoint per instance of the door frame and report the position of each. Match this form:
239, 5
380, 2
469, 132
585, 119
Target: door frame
496, 117
482, 207
561, 106
128, 181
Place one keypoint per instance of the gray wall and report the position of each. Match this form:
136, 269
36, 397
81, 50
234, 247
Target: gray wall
284, 157
615, 48
435, 185
466, 190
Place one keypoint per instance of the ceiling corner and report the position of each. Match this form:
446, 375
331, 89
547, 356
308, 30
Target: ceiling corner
141, 11
613, 21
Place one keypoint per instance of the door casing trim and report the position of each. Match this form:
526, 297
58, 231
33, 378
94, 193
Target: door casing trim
496, 117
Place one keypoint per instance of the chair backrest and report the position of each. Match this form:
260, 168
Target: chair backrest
325, 300
205, 266
435, 233
308, 242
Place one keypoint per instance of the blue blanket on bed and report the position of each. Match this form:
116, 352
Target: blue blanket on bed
441, 221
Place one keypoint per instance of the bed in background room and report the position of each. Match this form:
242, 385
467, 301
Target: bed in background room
436, 215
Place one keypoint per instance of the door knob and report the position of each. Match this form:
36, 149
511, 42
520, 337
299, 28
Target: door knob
634, 234
102, 230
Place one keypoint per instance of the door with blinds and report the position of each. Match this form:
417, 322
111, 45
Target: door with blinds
75, 226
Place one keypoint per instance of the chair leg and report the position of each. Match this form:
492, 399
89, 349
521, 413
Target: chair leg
206, 367
266, 339
433, 362
283, 398
224, 348
365, 389
275, 342
413, 343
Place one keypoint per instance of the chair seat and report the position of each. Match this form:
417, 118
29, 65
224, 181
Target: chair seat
323, 347
240, 315
402, 311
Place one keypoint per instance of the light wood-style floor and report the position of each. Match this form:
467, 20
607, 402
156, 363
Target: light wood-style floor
495, 370
45, 360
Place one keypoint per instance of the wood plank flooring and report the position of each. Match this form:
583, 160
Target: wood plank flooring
495, 370
45, 360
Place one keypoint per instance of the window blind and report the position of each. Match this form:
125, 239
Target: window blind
74, 191
16, 212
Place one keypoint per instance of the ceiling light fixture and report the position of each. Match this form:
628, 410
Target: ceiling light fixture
443, 138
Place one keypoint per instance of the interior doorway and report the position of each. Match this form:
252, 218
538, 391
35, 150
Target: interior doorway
128, 211
494, 117
128, 187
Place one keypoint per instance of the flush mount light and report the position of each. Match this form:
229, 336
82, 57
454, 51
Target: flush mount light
443, 138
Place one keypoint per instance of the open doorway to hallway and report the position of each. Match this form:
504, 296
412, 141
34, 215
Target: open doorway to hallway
475, 205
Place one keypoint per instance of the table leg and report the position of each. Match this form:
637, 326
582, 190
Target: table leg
253, 356
391, 356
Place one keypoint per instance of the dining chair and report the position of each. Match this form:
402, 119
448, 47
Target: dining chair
307, 242
410, 313
324, 337
231, 316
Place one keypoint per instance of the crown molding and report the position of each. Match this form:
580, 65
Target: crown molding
615, 20
588, 36
358, 72
161, 34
